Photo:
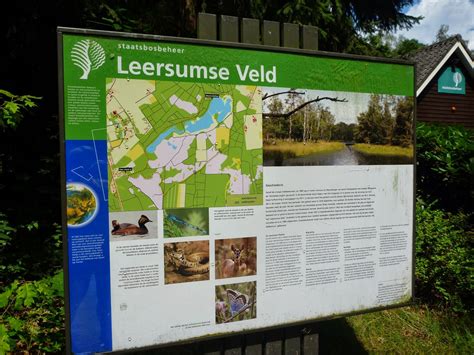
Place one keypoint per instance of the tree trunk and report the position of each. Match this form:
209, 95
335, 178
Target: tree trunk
289, 135
188, 26
304, 126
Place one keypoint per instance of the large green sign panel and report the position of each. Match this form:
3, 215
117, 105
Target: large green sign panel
212, 189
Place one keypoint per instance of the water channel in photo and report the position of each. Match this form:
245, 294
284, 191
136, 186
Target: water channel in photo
346, 156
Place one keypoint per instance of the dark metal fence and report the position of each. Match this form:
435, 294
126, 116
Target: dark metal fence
252, 31
288, 341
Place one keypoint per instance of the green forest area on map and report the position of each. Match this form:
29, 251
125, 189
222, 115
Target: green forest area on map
182, 145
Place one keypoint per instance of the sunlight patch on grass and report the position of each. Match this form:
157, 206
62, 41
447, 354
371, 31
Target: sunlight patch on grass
300, 149
414, 330
376, 149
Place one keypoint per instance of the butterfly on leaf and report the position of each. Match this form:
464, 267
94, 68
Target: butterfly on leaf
238, 301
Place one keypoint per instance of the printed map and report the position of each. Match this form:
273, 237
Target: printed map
180, 145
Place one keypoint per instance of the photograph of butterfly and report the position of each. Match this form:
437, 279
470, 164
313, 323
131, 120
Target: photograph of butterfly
236, 302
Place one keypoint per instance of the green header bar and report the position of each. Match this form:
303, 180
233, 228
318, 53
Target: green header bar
89, 60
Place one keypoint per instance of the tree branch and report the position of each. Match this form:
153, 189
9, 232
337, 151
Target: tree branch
266, 96
288, 114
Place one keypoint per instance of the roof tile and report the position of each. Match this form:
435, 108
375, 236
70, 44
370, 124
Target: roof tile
427, 58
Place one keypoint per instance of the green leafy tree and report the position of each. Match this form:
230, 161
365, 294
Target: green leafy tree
442, 33
405, 46
341, 23
311, 116
13, 107
326, 124
375, 125
376, 44
403, 130
343, 132
292, 101
367, 130
275, 127
386, 121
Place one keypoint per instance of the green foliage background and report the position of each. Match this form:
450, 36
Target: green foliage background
444, 216
444, 258
33, 315
446, 165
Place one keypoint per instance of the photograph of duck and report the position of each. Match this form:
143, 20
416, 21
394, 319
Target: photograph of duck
129, 228
122, 227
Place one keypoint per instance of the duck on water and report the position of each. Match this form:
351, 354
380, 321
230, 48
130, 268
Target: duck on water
129, 228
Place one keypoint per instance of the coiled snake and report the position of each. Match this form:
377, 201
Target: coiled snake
192, 264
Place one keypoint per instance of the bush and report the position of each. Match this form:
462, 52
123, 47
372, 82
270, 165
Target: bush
444, 271
445, 159
33, 316
32, 311
28, 251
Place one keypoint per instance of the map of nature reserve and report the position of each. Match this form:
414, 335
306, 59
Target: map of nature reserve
180, 145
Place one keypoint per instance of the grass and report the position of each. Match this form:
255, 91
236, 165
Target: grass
414, 330
376, 149
300, 149
408, 330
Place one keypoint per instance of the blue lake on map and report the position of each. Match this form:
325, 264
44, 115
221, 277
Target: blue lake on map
151, 148
217, 106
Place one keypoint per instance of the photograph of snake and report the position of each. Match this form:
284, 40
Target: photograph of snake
185, 222
186, 261
136, 225
236, 257
235, 302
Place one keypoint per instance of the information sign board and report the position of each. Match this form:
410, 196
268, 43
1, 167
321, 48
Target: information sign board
210, 189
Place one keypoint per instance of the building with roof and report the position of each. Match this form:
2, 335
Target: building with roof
445, 82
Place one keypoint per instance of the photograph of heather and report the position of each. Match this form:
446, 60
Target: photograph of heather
236, 302
312, 127
185, 222
236, 257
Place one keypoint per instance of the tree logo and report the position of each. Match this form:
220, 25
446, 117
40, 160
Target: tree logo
457, 78
88, 55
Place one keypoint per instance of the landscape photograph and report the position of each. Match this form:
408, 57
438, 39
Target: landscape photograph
312, 127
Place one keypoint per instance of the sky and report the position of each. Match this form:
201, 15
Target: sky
457, 14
